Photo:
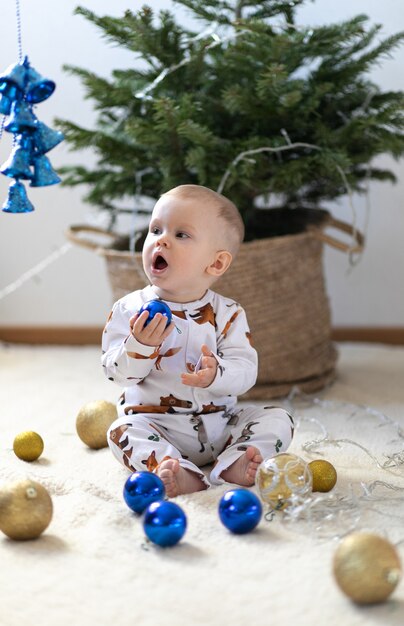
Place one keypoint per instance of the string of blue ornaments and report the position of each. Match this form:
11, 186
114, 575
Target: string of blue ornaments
21, 88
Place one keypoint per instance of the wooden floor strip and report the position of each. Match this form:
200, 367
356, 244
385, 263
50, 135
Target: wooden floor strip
91, 335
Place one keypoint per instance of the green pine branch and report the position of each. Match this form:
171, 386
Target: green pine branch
261, 86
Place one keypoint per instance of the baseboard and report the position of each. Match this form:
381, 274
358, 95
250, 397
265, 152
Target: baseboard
393, 335
91, 335
54, 335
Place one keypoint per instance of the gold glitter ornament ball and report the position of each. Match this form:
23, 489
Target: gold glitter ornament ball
25, 510
28, 445
93, 421
324, 475
367, 568
281, 477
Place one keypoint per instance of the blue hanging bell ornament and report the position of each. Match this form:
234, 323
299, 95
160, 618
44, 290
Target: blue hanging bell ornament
5, 105
12, 81
46, 138
22, 119
38, 88
17, 201
18, 163
44, 174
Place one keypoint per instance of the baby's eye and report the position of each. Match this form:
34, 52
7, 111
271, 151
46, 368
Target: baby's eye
182, 235
155, 230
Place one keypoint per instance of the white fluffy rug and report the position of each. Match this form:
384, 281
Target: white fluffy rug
90, 567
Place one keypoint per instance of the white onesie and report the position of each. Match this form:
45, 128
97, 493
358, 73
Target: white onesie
160, 417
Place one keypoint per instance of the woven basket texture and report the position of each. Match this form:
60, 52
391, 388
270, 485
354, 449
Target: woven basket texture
279, 281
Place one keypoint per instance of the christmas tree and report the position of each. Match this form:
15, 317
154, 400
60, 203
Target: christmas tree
249, 104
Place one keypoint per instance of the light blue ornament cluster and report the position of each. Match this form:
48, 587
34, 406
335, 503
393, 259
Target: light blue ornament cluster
22, 87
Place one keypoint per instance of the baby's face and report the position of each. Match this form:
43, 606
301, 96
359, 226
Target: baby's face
183, 238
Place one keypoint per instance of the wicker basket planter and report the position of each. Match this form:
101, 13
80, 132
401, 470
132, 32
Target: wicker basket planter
280, 283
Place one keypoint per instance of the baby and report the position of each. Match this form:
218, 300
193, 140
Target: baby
178, 411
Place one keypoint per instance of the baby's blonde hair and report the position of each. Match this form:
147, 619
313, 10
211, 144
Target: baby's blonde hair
226, 210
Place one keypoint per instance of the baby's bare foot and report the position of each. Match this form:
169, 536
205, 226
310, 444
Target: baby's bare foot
243, 470
178, 480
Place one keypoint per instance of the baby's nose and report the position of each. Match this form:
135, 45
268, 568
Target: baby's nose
162, 240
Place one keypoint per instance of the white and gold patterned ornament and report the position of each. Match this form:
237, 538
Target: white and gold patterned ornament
25, 510
281, 477
93, 421
366, 567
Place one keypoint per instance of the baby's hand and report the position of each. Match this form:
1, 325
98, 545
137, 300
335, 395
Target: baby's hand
206, 375
154, 333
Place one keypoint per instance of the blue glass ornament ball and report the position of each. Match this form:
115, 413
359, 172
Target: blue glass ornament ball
141, 489
240, 510
156, 306
164, 523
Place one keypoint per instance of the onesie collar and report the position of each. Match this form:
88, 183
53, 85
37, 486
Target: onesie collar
181, 306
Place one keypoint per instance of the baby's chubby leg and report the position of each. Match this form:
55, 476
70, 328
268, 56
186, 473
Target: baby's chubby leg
260, 432
141, 443
243, 470
178, 480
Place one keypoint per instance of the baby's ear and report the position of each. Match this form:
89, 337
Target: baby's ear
222, 262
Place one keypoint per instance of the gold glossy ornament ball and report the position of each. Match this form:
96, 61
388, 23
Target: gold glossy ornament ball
280, 477
324, 475
366, 567
93, 421
25, 510
28, 445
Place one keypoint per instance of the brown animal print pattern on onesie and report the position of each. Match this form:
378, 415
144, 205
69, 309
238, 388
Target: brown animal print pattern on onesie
245, 435
116, 437
199, 427
229, 323
170, 352
136, 355
166, 406
204, 315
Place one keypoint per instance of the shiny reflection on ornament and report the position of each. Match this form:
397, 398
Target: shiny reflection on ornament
141, 489
164, 523
5, 105
281, 477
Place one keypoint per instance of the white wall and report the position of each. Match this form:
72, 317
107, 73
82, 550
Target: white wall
74, 290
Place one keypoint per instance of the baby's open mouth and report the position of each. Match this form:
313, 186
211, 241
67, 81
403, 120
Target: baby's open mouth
159, 263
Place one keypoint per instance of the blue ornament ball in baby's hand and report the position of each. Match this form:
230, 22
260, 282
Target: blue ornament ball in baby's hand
156, 306
164, 523
240, 510
141, 489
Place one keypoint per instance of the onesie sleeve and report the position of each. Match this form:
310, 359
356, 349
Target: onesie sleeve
237, 359
125, 360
